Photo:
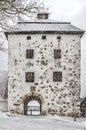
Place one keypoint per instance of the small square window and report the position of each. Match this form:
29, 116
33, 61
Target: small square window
57, 53
29, 76
57, 76
43, 37
30, 53
59, 37
28, 37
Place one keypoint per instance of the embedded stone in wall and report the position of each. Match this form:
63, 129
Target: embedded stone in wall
32, 88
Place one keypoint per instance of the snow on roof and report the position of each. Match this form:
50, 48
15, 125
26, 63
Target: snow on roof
45, 25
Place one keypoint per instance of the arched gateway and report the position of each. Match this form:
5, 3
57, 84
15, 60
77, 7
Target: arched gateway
33, 105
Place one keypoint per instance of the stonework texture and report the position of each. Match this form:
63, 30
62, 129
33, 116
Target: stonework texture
3, 91
57, 97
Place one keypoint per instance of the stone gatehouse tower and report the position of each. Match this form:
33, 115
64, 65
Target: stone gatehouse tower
44, 67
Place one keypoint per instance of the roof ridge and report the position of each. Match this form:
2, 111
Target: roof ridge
45, 22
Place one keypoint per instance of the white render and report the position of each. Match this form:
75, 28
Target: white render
60, 98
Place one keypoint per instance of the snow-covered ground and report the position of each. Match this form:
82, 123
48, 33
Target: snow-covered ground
20, 122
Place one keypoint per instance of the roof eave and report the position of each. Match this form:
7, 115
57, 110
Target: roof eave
45, 32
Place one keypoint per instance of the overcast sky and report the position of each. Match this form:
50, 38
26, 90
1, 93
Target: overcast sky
68, 10
73, 11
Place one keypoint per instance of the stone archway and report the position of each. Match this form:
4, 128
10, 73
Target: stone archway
29, 106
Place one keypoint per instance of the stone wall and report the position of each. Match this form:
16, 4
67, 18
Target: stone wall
3, 91
4, 105
3, 84
60, 98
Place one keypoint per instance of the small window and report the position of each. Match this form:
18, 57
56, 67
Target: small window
29, 76
30, 53
28, 37
57, 53
59, 37
57, 76
43, 37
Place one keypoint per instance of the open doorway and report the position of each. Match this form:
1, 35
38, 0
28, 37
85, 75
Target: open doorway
32, 106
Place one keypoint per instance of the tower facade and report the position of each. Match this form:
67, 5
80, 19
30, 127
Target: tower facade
44, 68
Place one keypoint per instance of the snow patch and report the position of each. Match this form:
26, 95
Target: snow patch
83, 124
3, 115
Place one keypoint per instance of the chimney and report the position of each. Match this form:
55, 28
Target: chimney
43, 16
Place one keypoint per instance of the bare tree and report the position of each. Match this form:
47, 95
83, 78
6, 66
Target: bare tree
12, 10
3, 42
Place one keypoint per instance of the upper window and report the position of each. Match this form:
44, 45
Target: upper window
28, 37
59, 37
57, 76
43, 37
29, 76
57, 53
30, 53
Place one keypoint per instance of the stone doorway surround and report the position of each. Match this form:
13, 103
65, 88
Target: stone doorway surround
29, 107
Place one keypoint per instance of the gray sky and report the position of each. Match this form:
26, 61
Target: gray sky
68, 10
